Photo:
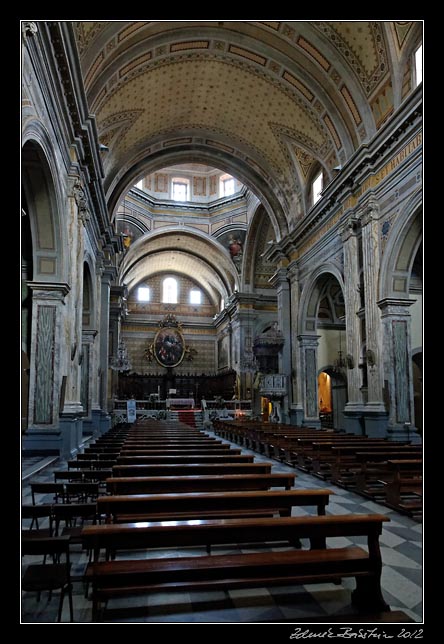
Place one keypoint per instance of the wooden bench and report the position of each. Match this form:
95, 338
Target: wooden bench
202, 483
345, 465
374, 467
404, 490
202, 505
186, 451
319, 565
274, 531
189, 458
183, 469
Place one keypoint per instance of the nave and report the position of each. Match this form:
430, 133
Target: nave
401, 550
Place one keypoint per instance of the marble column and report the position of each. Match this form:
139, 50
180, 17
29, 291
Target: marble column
296, 380
108, 276
354, 409
375, 411
308, 347
71, 416
396, 321
87, 367
46, 383
282, 286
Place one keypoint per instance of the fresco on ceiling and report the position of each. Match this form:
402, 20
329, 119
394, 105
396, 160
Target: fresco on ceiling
129, 231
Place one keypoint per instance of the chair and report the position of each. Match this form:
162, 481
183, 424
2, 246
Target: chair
49, 576
36, 512
70, 513
58, 489
81, 492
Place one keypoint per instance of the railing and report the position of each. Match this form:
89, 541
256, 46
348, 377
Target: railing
219, 408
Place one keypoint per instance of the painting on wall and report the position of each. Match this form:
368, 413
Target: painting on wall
223, 348
233, 242
169, 347
129, 231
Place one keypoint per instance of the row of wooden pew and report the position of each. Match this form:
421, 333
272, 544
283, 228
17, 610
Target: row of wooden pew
386, 471
172, 486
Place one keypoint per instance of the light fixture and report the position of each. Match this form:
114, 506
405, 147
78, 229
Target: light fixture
121, 362
339, 364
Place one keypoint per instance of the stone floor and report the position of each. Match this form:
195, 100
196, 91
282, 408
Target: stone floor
402, 576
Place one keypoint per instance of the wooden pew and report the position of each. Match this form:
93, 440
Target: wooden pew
404, 490
126, 578
184, 469
374, 467
190, 458
345, 465
189, 505
202, 483
212, 532
166, 451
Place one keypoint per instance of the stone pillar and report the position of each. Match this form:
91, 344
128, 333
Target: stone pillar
104, 370
87, 381
375, 412
396, 321
354, 409
47, 386
282, 286
296, 380
308, 347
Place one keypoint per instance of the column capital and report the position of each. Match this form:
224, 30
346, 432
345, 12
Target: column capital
279, 278
395, 306
308, 340
88, 335
293, 271
109, 274
49, 290
370, 211
350, 228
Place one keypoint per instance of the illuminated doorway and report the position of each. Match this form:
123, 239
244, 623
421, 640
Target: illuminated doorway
332, 398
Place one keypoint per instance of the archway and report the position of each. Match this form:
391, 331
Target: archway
322, 346
42, 289
401, 314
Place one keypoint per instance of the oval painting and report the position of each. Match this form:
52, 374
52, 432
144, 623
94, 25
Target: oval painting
169, 347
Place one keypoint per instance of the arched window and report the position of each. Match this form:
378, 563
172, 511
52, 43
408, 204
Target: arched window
316, 188
169, 291
418, 66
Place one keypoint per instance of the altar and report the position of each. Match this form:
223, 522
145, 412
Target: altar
179, 403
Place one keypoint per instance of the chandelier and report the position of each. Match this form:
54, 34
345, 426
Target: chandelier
340, 363
121, 362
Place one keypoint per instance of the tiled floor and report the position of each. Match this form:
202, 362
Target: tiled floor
401, 548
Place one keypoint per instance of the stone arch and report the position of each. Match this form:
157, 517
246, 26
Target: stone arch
89, 300
403, 241
311, 294
252, 241
44, 202
308, 338
195, 252
241, 169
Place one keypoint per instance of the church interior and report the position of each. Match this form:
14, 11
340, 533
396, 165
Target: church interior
221, 267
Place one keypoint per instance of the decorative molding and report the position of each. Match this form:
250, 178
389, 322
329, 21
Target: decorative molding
29, 28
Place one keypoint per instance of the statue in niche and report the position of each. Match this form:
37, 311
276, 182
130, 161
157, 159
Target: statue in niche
127, 237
